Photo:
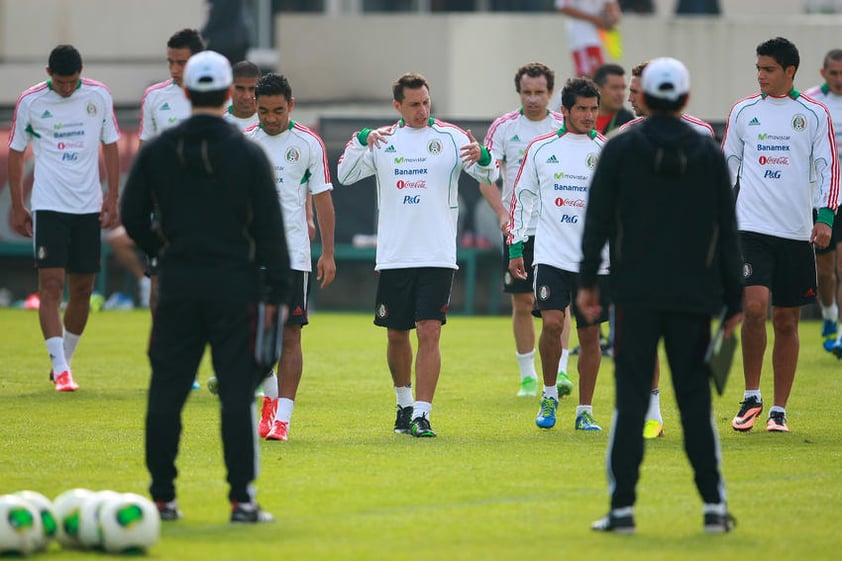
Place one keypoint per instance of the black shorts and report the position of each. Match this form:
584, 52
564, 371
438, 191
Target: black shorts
67, 241
515, 286
299, 296
835, 234
406, 296
786, 267
555, 289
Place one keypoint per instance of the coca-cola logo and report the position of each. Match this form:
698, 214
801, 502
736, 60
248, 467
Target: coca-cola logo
774, 160
576, 203
418, 184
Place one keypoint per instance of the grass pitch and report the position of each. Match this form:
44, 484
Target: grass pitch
492, 486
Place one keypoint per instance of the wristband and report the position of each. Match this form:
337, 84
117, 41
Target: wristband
362, 136
516, 250
825, 216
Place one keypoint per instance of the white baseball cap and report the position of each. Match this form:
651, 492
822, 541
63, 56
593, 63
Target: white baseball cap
207, 71
665, 78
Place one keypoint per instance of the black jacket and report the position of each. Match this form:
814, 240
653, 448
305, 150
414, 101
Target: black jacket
202, 198
620, 118
661, 195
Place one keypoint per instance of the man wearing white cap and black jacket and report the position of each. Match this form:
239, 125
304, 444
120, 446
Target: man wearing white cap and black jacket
201, 197
661, 196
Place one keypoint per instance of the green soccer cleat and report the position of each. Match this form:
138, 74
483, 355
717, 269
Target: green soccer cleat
528, 387
420, 428
585, 421
564, 384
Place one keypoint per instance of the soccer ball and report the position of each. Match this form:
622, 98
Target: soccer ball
90, 535
44, 507
20, 526
130, 523
67, 506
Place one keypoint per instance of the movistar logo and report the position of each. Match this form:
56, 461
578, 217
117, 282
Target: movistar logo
391, 148
559, 175
165, 107
46, 114
399, 160
762, 136
552, 159
753, 122
173, 120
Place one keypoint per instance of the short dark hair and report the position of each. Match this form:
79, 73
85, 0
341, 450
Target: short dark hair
213, 98
411, 80
605, 71
782, 50
65, 60
273, 84
245, 69
833, 54
576, 88
638, 70
657, 105
187, 39
534, 70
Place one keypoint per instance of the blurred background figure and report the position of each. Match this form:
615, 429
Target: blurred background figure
227, 30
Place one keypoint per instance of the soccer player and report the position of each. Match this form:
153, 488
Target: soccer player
299, 159
654, 426
242, 111
783, 159
554, 178
611, 83
584, 20
507, 139
416, 162
65, 118
829, 259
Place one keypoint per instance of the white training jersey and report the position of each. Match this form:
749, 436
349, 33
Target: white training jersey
702, 127
239, 122
507, 139
163, 106
556, 178
783, 153
299, 159
834, 104
417, 172
65, 133
581, 33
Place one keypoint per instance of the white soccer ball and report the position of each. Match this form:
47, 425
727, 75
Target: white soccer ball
20, 526
130, 523
90, 534
44, 507
66, 507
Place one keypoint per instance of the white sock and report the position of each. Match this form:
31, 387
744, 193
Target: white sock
715, 508
422, 408
404, 396
71, 341
830, 312
776, 408
551, 391
526, 361
562, 363
654, 411
284, 411
55, 346
752, 393
584, 409
269, 385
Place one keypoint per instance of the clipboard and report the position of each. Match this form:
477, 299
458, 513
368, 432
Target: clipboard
720, 355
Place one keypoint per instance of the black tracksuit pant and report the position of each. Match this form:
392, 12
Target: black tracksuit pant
686, 337
183, 324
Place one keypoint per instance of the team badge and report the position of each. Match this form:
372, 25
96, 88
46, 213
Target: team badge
293, 155
543, 292
434, 147
747, 270
799, 122
90, 108
42, 253
591, 160
382, 312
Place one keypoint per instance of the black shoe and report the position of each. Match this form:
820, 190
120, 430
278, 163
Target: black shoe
403, 420
249, 513
616, 524
168, 510
719, 523
420, 427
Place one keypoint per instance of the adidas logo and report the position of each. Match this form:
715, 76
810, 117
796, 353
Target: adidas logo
391, 148
552, 159
754, 122
165, 107
46, 114
515, 138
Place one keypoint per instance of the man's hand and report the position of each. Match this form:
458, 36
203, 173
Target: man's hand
516, 268
470, 153
377, 137
587, 300
820, 235
108, 216
325, 270
22, 221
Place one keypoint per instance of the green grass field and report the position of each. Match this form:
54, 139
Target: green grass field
492, 486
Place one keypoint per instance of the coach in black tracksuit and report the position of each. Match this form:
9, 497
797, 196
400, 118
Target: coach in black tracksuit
202, 199
661, 196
